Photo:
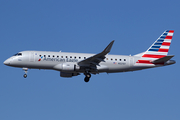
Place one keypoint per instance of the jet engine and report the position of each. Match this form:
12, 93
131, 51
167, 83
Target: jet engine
67, 67
66, 74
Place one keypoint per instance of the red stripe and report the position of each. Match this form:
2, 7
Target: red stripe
171, 31
153, 56
163, 50
166, 43
168, 37
144, 61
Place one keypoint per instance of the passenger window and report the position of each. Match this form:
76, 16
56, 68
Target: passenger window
124, 59
66, 56
44, 55
75, 57
115, 59
48, 55
119, 59
53, 55
106, 58
39, 55
111, 59
79, 57
84, 57
61, 56
70, 56
57, 56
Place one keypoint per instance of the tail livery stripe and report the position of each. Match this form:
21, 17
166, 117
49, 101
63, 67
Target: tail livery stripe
161, 42
163, 50
165, 47
171, 31
166, 43
144, 61
158, 49
153, 56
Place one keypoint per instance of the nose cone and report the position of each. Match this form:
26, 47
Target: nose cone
7, 62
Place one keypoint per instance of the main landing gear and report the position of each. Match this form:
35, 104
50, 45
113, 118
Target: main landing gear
88, 76
25, 70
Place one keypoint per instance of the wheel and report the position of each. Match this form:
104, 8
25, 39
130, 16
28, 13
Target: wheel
86, 79
25, 75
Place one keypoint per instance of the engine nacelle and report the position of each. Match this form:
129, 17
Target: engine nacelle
70, 67
66, 74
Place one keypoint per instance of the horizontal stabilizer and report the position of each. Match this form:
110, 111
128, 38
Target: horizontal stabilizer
163, 59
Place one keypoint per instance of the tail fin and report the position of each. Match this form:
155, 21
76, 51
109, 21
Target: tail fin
158, 49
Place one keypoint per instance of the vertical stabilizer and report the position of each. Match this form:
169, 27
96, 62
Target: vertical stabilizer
158, 49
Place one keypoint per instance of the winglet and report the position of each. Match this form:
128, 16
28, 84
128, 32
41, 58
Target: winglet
96, 59
108, 48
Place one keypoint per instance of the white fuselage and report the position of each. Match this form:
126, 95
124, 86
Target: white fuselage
48, 60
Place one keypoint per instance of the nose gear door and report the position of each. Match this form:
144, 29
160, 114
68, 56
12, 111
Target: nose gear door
131, 61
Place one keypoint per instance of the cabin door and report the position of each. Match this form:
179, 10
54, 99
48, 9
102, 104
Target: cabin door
31, 56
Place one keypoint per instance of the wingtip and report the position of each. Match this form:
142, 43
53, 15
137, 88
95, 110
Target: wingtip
112, 42
108, 48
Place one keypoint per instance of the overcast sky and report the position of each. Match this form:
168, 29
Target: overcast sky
88, 27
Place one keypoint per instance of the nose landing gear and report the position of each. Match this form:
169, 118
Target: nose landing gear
25, 75
88, 76
25, 70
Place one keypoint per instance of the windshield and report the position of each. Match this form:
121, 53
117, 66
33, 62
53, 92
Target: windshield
18, 54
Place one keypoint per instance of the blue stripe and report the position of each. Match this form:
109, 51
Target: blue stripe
165, 33
157, 43
160, 40
155, 46
163, 37
153, 49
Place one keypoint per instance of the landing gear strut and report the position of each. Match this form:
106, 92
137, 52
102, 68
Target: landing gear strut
25, 70
88, 76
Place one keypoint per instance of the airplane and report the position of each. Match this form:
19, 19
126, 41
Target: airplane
73, 64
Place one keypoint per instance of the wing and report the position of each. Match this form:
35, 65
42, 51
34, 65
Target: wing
96, 59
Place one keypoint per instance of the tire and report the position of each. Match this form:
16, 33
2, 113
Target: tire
86, 79
25, 75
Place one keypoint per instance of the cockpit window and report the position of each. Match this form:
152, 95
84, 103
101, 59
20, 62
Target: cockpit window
18, 54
